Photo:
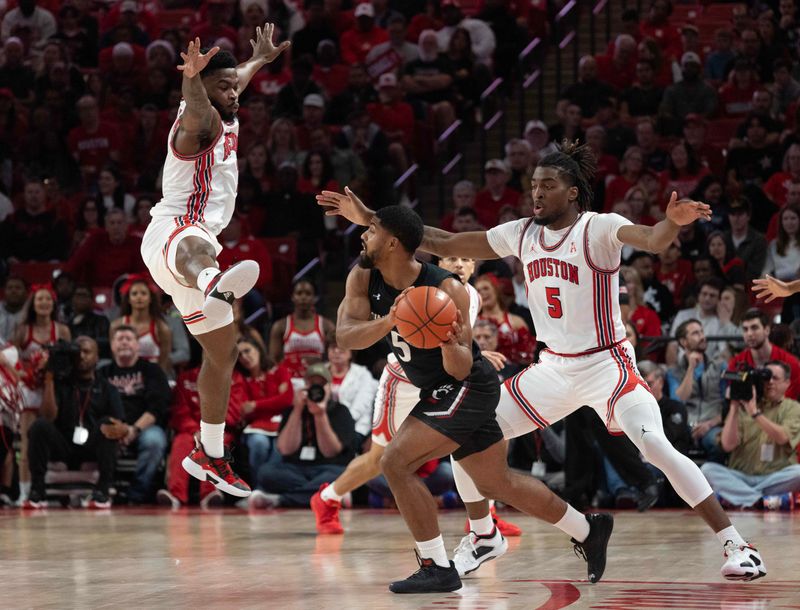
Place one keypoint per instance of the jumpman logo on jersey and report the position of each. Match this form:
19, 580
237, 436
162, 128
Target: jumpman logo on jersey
572, 248
644, 431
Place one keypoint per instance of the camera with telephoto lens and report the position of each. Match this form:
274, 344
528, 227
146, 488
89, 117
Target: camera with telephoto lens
744, 379
316, 392
63, 359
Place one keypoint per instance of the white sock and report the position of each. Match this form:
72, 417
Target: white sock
482, 526
24, 490
211, 436
205, 276
574, 524
434, 549
329, 494
730, 533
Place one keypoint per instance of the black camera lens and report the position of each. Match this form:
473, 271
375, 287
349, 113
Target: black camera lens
316, 393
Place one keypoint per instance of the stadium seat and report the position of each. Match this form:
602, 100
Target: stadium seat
176, 18
722, 12
720, 131
683, 13
34, 272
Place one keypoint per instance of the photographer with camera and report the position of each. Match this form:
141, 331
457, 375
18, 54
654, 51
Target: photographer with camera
316, 441
73, 427
761, 435
695, 381
145, 395
759, 350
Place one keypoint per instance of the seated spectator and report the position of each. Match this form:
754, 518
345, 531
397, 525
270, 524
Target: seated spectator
141, 309
357, 94
710, 190
313, 113
496, 193
85, 322
643, 318
785, 89
395, 117
481, 35
470, 78
663, 65
348, 168
783, 253
269, 394
289, 101
643, 97
316, 441
631, 169
619, 68
656, 295
79, 423
732, 267
141, 216
466, 220
93, 143
514, 340
694, 134
568, 126
395, 53
674, 272
429, 81
329, 73
649, 141
748, 244
537, 135
111, 192
15, 75
706, 312
519, 159
215, 26
673, 413
317, 175
282, 143
752, 164
683, 173
778, 184
692, 95
587, 91
357, 42
145, 399
720, 57
33, 233
639, 204
12, 306
759, 350
106, 254
366, 140
463, 197
656, 25
353, 386
184, 420
695, 380
317, 28
272, 78
485, 334
761, 436
258, 165
300, 338
736, 95
254, 129
733, 304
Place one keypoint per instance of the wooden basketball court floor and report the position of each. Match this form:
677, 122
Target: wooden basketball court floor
153, 558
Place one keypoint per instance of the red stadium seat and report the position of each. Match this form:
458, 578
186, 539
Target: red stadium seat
720, 131
283, 251
34, 273
685, 13
176, 18
720, 12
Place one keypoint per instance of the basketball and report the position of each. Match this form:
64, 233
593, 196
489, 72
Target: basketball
424, 316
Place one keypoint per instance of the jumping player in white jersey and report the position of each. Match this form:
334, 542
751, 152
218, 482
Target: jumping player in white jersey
180, 247
570, 258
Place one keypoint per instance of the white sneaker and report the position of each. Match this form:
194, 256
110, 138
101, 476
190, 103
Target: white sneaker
473, 550
233, 283
742, 562
164, 498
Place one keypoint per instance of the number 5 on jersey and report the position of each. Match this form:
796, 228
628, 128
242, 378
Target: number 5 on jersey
554, 302
405, 348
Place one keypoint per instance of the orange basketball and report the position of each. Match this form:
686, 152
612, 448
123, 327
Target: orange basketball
424, 316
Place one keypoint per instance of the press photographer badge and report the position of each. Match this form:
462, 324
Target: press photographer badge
767, 452
308, 453
80, 435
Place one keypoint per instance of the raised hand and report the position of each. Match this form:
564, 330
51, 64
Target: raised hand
771, 288
685, 211
263, 47
345, 204
194, 61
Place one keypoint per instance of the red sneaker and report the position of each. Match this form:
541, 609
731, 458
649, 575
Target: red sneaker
506, 528
326, 513
215, 470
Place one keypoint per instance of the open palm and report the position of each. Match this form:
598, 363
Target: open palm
263, 47
685, 211
345, 204
771, 288
194, 61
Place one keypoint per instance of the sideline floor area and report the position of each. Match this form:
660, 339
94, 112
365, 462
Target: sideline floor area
227, 559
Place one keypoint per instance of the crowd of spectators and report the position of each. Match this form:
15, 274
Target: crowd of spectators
87, 96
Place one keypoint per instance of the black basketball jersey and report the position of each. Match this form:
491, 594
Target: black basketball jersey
423, 367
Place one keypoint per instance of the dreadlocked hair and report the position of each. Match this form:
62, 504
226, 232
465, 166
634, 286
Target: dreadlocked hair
577, 165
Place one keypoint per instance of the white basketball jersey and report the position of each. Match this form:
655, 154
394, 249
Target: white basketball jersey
571, 279
201, 188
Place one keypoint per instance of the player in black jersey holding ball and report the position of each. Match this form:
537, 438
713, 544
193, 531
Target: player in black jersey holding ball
459, 392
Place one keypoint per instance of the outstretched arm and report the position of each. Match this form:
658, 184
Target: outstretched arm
199, 120
354, 329
474, 244
264, 52
771, 288
658, 238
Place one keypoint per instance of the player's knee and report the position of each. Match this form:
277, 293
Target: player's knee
393, 463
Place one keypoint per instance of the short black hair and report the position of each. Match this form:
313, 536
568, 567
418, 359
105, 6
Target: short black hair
305, 280
223, 60
713, 282
754, 313
787, 370
637, 255
404, 223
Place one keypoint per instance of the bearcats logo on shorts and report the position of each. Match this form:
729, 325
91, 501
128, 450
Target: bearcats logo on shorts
442, 391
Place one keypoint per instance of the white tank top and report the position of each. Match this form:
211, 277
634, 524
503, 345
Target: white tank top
149, 348
474, 308
571, 279
298, 345
201, 188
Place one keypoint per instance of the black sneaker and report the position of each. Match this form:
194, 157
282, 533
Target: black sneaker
430, 578
98, 500
594, 548
36, 499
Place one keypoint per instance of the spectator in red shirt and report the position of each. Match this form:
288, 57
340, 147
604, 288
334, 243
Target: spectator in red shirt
238, 247
185, 421
694, 134
619, 68
219, 14
631, 169
656, 25
684, 171
316, 176
777, 186
269, 394
254, 125
736, 96
331, 74
643, 318
674, 272
395, 117
105, 255
313, 113
356, 42
759, 350
93, 143
496, 193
